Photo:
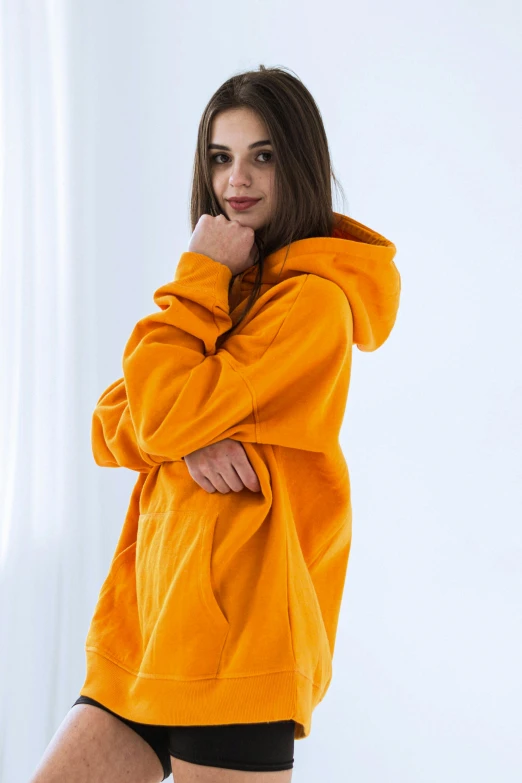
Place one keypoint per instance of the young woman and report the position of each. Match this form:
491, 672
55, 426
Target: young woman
213, 637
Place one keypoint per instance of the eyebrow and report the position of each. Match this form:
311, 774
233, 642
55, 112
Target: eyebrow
250, 146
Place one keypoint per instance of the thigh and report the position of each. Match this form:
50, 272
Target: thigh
92, 745
233, 753
185, 772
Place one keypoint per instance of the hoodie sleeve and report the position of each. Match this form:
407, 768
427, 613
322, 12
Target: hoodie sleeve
113, 438
282, 379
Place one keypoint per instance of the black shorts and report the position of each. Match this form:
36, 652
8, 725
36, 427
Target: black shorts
261, 747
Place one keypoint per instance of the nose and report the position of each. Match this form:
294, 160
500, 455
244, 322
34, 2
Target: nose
239, 175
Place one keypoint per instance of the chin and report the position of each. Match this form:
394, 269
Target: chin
245, 220
255, 223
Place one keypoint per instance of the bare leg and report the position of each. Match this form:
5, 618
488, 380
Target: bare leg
185, 772
92, 746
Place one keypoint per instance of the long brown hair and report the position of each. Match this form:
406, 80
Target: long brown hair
303, 169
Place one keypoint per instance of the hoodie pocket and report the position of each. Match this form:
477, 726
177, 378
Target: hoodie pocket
182, 624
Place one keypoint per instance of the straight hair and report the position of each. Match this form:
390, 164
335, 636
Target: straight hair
303, 171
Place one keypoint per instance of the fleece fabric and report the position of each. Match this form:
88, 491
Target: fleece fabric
223, 608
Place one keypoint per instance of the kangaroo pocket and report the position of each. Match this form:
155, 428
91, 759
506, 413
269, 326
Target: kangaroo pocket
182, 624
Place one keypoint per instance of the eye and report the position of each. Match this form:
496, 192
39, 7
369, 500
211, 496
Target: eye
223, 154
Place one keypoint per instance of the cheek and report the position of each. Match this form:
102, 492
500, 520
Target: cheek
270, 187
218, 182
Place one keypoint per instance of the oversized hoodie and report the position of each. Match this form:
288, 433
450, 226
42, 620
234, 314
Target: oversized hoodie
223, 608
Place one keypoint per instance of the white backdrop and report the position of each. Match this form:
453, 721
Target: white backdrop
100, 104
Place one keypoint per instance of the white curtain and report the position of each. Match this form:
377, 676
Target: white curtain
51, 547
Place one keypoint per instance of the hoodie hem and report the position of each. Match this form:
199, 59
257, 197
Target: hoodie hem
256, 698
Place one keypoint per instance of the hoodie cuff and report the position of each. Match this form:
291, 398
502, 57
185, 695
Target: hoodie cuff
196, 270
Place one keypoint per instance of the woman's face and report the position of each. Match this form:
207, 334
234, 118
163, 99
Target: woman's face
241, 166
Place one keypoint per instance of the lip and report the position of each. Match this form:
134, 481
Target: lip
241, 204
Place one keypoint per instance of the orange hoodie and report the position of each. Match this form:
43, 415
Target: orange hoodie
223, 608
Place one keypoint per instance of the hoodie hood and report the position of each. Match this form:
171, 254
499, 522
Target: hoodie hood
354, 257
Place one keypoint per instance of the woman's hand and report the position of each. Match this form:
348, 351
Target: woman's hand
226, 241
222, 466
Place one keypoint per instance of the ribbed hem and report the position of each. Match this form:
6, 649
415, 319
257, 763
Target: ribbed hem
265, 697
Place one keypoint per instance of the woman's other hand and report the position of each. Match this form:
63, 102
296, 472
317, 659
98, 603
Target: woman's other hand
222, 466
